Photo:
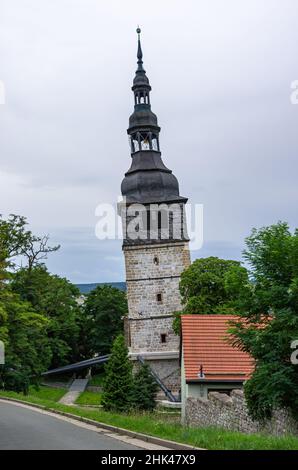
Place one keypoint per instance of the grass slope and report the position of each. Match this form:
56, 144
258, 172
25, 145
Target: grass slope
88, 398
41, 396
163, 426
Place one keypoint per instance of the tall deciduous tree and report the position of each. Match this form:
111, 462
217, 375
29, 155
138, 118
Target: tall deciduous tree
17, 240
13, 236
40, 319
269, 306
22, 328
202, 285
56, 299
104, 310
204, 288
36, 250
24, 333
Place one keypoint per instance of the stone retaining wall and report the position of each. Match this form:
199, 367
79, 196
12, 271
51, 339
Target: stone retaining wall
230, 412
94, 388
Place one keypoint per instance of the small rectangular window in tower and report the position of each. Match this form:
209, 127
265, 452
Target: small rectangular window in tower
163, 338
159, 298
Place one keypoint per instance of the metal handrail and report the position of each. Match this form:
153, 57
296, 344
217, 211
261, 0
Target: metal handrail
167, 392
78, 365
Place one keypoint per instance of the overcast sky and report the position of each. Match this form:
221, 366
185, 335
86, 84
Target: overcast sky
221, 73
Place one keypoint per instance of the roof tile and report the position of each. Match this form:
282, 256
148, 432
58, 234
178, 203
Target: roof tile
205, 343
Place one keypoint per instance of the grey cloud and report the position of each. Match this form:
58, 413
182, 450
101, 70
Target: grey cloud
221, 75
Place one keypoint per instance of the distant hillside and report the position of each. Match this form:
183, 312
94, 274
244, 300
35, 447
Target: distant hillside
86, 288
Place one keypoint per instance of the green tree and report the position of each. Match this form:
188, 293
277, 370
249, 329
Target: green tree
27, 351
39, 314
16, 240
57, 300
15, 380
104, 310
204, 288
118, 383
3, 314
13, 236
268, 304
144, 389
22, 329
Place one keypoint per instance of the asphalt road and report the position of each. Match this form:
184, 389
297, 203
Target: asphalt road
22, 428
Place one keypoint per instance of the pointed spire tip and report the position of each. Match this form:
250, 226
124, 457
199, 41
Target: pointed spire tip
139, 53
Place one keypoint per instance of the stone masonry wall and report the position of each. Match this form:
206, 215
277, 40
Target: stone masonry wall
173, 258
230, 412
154, 270
145, 335
142, 297
168, 370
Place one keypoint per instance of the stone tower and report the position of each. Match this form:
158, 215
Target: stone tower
155, 240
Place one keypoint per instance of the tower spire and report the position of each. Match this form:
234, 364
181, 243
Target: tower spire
148, 179
140, 72
140, 52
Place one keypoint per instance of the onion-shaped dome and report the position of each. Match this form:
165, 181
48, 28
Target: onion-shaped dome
143, 116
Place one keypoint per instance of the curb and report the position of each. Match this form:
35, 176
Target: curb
121, 431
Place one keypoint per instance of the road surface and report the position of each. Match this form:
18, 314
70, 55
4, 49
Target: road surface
23, 428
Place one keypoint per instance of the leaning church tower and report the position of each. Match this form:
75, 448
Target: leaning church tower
155, 241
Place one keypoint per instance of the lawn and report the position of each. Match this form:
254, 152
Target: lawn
48, 393
40, 396
88, 398
161, 425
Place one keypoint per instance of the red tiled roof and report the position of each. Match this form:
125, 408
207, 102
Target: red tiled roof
204, 342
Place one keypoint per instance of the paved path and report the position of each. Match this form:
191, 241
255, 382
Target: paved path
25, 428
77, 387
